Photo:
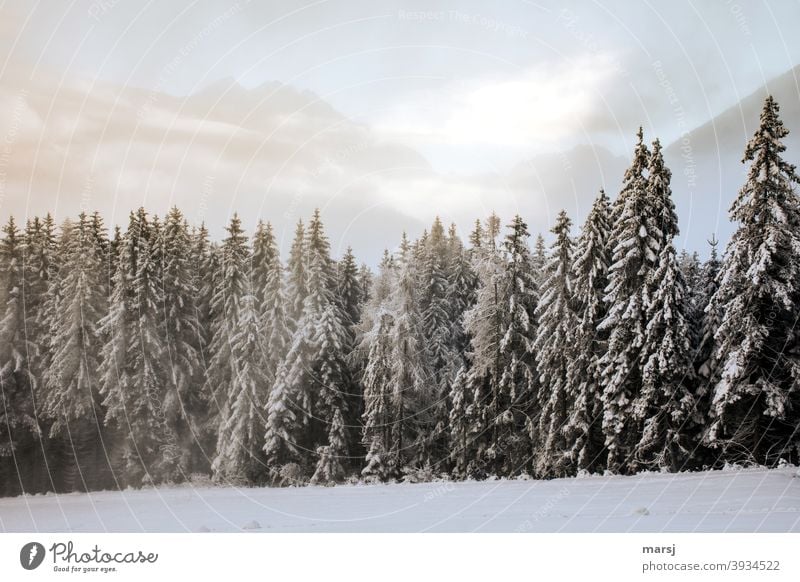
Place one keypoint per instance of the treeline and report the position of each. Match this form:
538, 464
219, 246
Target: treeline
154, 354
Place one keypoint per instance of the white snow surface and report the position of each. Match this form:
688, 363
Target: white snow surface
745, 500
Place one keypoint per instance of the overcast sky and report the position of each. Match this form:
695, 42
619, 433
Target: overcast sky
382, 113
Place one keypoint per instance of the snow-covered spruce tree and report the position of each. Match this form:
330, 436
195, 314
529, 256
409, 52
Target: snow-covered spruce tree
240, 440
330, 467
296, 291
634, 247
377, 381
204, 260
155, 453
476, 237
275, 324
182, 404
437, 328
484, 324
583, 430
261, 259
755, 406
349, 297
272, 309
281, 441
461, 296
665, 406
374, 352
710, 322
705, 365
135, 360
205, 267
557, 323
18, 427
539, 259
462, 286
365, 282
232, 283
395, 369
238, 362
410, 370
320, 283
71, 398
313, 379
349, 294
692, 271
332, 381
381, 288
460, 425
515, 402
38, 266
114, 246
118, 328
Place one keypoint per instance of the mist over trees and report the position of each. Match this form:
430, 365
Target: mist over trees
153, 355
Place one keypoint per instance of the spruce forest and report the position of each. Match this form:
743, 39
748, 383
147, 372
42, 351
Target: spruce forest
151, 354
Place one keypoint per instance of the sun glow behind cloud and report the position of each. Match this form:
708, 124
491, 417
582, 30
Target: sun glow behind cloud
538, 106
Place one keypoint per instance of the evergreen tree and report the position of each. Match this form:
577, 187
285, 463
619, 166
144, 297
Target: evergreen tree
238, 359
484, 324
692, 272
71, 398
232, 284
754, 409
135, 359
38, 264
332, 380
263, 257
460, 425
665, 404
38, 268
410, 371
378, 412
365, 282
349, 298
329, 467
297, 291
437, 329
394, 371
462, 286
711, 318
539, 259
476, 236
634, 245
274, 321
240, 457
182, 404
205, 269
349, 292
515, 402
18, 426
590, 277
556, 324
313, 380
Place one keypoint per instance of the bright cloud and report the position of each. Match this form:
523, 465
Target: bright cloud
540, 105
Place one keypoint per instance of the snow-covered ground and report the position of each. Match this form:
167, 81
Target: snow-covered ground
722, 501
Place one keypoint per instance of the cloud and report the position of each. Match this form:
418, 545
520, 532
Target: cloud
541, 105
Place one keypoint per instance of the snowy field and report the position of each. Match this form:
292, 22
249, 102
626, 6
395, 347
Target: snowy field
752, 500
